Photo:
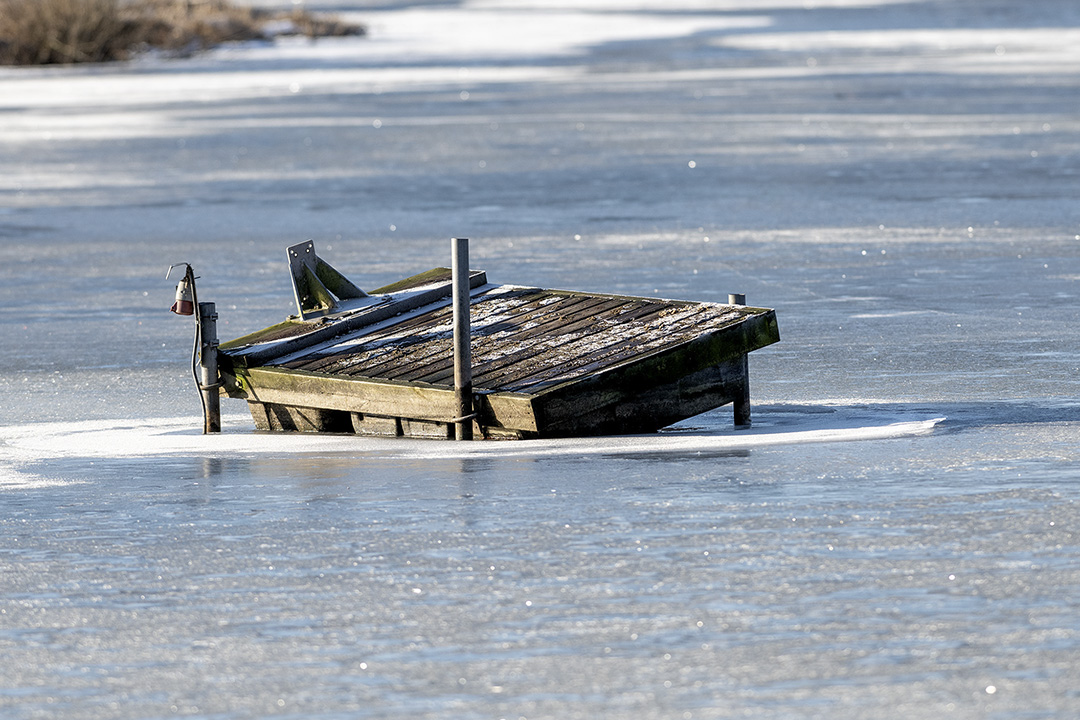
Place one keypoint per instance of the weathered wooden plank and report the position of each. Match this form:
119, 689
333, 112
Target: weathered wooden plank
494, 361
540, 354
281, 331
732, 335
302, 389
714, 359
632, 343
401, 351
527, 304
401, 354
429, 277
598, 407
293, 388
399, 346
272, 417
332, 327
376, 425
582, 344
431, 364
502, 356
503, 344
679, 355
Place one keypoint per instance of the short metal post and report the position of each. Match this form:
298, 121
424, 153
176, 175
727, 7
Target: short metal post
742, 399
208, 367
463, 423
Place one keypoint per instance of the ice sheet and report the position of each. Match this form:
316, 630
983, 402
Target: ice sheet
898, 180
172, 436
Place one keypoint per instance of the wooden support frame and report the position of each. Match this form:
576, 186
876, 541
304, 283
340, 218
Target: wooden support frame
316, 283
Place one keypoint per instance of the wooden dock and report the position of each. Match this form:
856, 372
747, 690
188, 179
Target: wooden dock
545, 363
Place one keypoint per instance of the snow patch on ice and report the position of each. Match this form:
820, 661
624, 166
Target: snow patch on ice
1006, 50
26, 444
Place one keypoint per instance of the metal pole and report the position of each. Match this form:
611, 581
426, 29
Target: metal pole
463, 423
742, 399
208, 370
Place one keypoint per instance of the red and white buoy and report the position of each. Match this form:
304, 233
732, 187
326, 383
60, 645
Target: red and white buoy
185, 298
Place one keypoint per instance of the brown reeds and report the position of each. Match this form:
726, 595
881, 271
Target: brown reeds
41, 32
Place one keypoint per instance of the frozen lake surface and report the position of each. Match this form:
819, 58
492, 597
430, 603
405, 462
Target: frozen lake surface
895, 537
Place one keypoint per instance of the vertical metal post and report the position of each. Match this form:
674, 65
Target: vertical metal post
742, 399
208, 370
463, 423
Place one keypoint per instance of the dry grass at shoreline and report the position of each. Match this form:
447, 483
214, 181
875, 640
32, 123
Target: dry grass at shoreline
44, 32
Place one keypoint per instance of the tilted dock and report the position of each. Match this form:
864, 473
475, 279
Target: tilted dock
545, 363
